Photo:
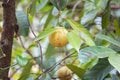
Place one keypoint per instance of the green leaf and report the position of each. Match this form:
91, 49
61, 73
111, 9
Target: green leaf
114, 60
115, 1
88, 16
50, 51
41, 5
23, 23
21, 60
26, 71
114, 47
32, 45
117, 27
101, 3
92, 8
100, 42
84, 32
49, 18
50, 63
89, 64
109, 39
45, 33
87, 39
45, 77
99, 51
99, 71
59, 4
77, 70
55, 11
90, 12
106, 16
32, 7
115, 77
74, 39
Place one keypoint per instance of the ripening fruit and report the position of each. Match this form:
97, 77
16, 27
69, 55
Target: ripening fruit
59, 37
64, 73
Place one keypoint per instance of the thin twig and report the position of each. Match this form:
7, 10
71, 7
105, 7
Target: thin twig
53, 66
75, 6
41, 54
14, 72
64, 76
5, 68
22, 44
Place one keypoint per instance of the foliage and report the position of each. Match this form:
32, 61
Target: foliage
92, 52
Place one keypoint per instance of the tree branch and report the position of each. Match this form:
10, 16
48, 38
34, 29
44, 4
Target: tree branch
9, 25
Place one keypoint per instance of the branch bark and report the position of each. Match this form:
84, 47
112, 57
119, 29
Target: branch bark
9, 25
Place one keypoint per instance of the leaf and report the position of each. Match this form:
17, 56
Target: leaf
114, 60
85, 33
115, 77
114, 47
99, 51
23, 23
74, 40
50, 51
100, 42
101, 3
21, 60
106, 16
50, 63
88, 15
49, 18
109, 39
55, 11
30, 78
90, 12
32, 7
117, 26
41, 5
92, 8
45, 77
86, 38
59, 4
26, 71
89, 64
115, 1
45, 33
99, 71
32, 45
78, 71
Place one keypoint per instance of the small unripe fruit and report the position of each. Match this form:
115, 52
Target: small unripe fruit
59, 37
64, 73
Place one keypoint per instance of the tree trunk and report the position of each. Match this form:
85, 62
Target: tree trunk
7, 36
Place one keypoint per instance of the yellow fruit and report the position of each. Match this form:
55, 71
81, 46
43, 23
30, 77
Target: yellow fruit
64, 73
59, 37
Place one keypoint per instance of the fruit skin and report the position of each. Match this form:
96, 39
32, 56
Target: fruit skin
64, 73
59, 37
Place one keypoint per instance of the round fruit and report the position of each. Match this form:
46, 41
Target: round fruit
59, 37
64, 73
